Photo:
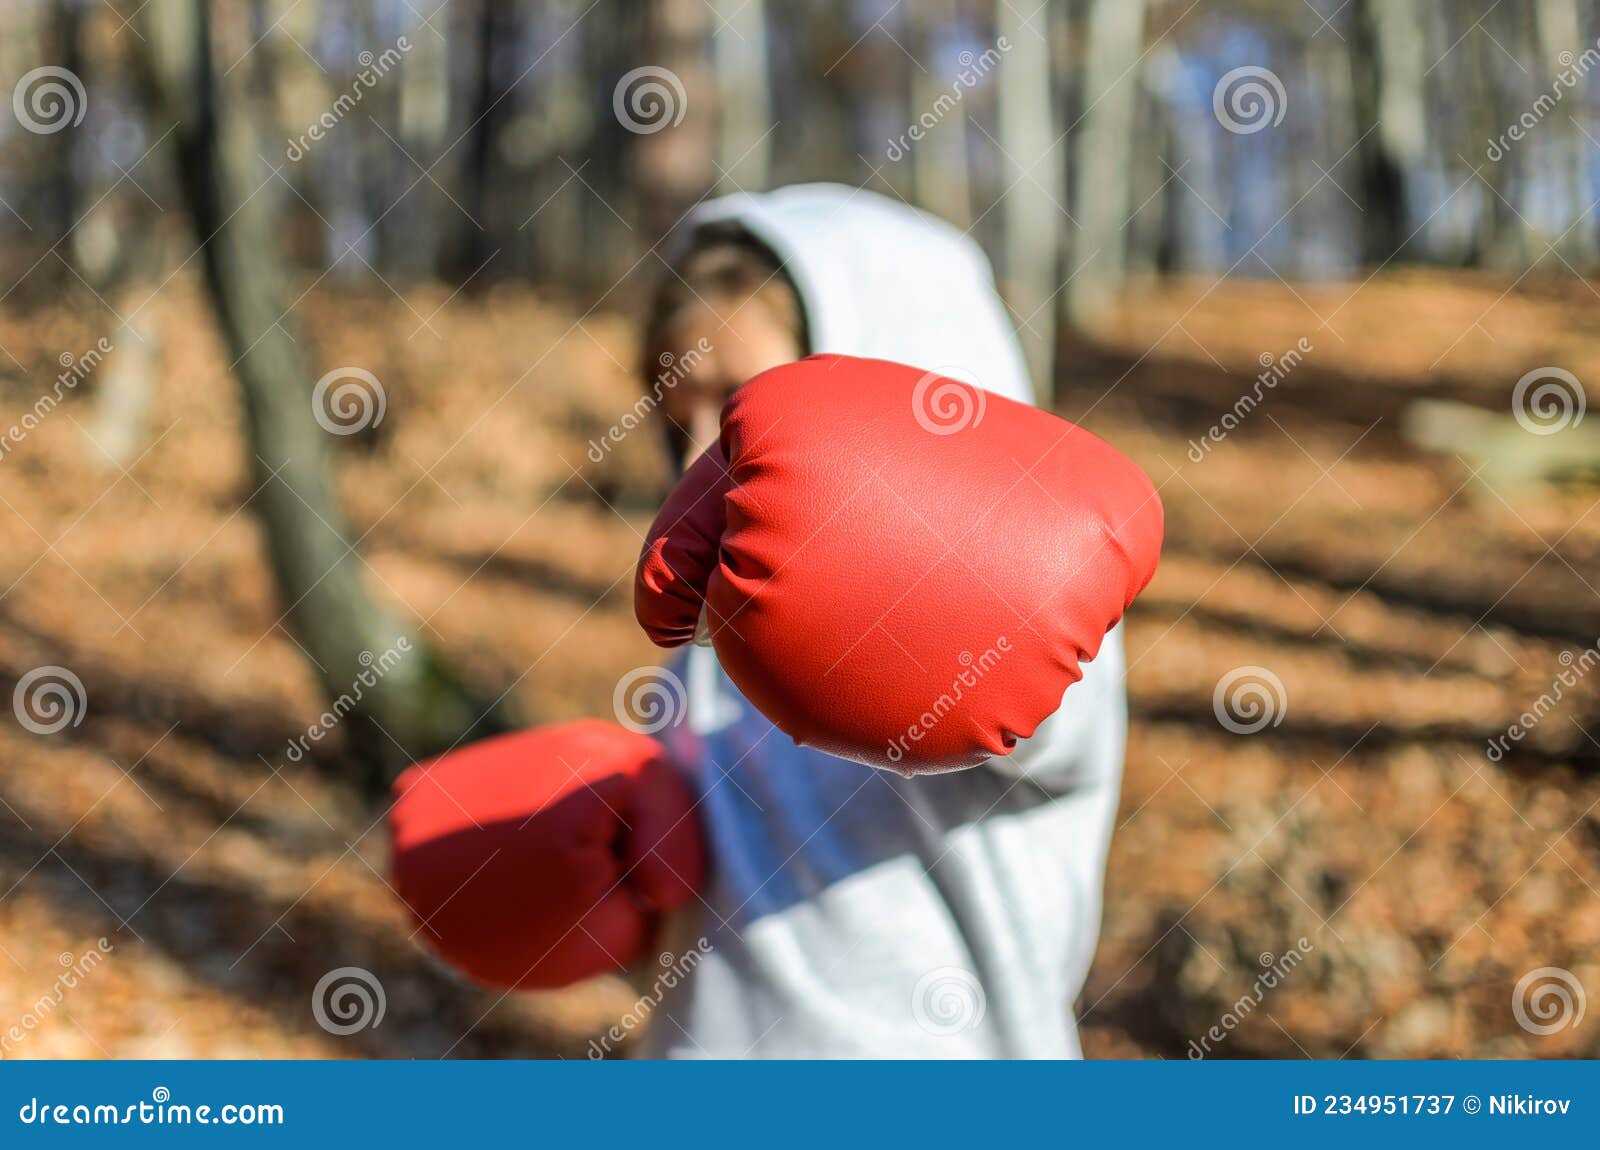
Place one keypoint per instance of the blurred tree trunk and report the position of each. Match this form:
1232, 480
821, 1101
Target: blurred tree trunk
299, 92
63, 198
1033, 188
744, 106
939, 162
370, 166
819, 97
496, 26
125, 389
1449, 143
1387, 65
613, 34
668, 103
21, 48
123, 262
1501, 94
1317, 236
1102, 157
546, 140
416, 707
1560, 36
1152, 161
424, 120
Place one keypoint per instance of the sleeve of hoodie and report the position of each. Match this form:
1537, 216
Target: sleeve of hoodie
1082, 744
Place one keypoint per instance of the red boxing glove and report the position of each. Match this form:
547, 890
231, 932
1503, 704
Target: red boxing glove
897, 568
536, 859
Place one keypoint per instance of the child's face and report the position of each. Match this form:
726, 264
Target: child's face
745, 339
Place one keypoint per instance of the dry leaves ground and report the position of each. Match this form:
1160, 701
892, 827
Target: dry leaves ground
1408, 615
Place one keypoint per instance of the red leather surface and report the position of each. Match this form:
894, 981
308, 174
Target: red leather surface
539, 858
872, 574
681, 551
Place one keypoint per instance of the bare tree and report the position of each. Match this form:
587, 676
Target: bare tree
612, 35
1102, 158
744, 105
1152, 185
299, 90
495, 26
416, 706
1560, 37
1388, 70
1499, 96
544, 145
1034, 188
63, 197
939, 162
424, 122
668, 103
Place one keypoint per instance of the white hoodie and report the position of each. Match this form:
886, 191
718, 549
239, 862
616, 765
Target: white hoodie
852, 912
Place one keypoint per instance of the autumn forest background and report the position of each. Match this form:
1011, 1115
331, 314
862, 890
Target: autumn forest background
311, 309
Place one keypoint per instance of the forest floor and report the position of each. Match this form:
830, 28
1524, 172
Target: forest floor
1409, 613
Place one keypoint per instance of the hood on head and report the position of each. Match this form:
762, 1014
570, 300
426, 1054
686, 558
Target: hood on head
881, 280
